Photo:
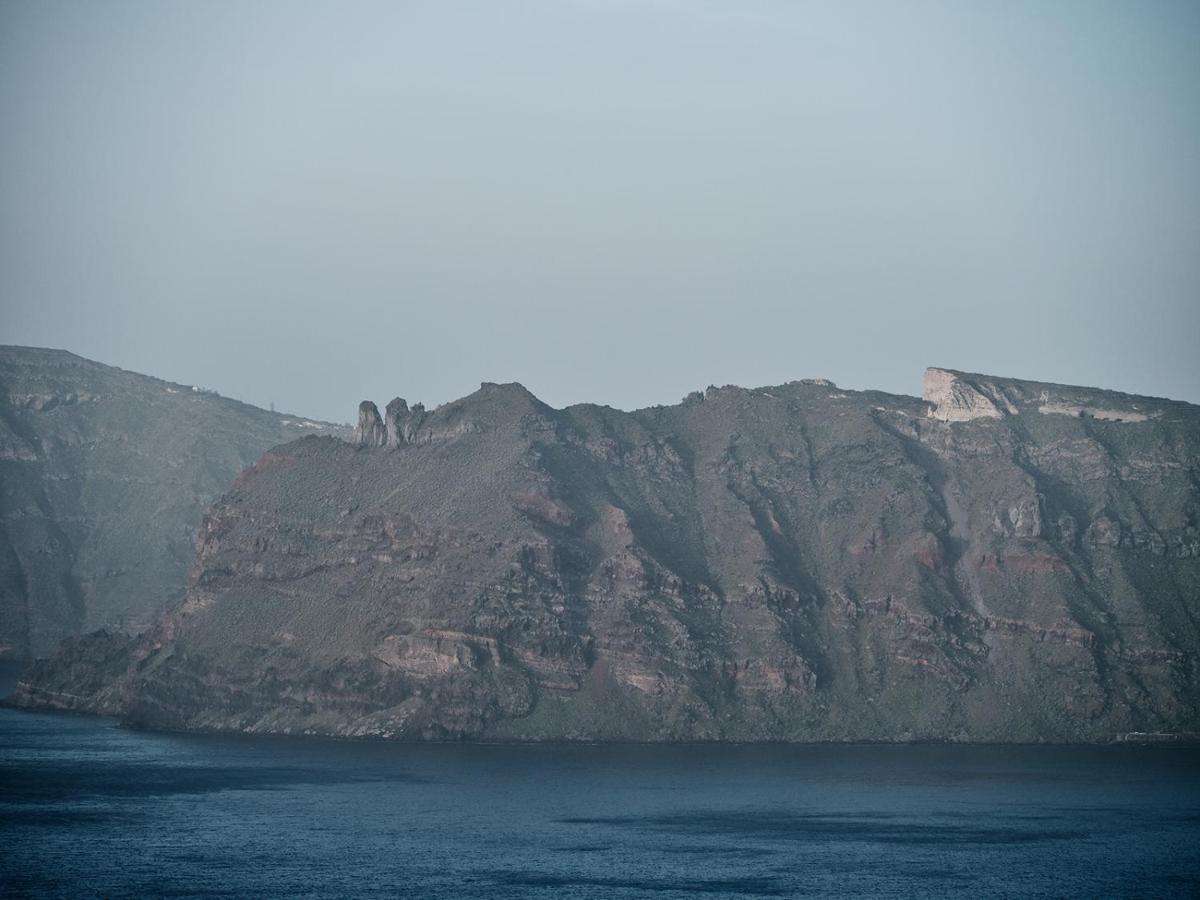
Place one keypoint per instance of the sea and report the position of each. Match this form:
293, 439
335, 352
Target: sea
89, 808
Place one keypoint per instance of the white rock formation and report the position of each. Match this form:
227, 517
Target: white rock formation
1094, 412
954, 400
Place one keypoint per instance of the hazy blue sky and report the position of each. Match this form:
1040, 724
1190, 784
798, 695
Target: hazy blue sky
312, 203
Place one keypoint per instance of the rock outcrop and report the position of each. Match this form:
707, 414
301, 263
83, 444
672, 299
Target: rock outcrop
955, 399
370, 430
104, 478
963, 396
394, 417
402, 422
791, 563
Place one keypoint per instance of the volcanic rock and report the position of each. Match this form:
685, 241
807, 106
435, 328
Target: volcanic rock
799, 563
104, 478
370, 431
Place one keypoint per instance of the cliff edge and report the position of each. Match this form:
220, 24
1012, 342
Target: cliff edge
1000, 560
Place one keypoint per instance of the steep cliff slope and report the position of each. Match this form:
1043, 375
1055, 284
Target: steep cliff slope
104, 477
1002, 560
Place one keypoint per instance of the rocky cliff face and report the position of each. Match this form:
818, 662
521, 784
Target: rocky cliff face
402, 422
369, 432
104, 478
1000, 561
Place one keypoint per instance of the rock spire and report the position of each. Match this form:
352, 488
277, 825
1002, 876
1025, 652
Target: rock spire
370, 431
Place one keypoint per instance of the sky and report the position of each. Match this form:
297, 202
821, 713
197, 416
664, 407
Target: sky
610, 201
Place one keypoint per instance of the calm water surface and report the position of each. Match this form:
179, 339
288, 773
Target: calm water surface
91, 809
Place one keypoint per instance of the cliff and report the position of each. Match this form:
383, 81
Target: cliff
1001, 560
104, 478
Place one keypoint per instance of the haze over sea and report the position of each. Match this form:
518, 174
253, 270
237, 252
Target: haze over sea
88, 808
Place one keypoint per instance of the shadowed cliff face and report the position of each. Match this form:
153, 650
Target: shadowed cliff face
104, 478
999, 561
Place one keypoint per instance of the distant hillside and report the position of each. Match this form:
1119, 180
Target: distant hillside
1001, 560
104, 477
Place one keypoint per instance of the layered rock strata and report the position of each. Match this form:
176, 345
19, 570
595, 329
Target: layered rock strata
794, 563
104, 478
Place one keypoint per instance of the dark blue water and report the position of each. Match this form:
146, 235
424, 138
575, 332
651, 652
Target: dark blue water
90, 809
